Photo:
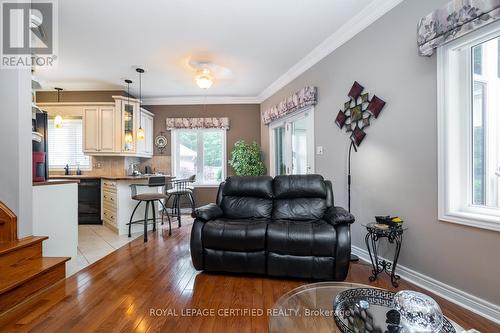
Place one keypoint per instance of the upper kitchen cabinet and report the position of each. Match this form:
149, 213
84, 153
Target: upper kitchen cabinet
99, 133
145, 147
110, 128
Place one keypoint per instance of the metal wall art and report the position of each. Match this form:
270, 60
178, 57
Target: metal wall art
358, 111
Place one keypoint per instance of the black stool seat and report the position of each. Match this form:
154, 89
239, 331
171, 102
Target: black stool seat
149, 196
177, 191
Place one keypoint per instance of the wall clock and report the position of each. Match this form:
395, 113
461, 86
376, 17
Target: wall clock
161, 142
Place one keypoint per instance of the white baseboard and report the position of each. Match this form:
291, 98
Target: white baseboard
470, 302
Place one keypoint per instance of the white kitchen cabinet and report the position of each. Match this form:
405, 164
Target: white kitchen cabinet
91, 129
99, 130
145, 147
110, 128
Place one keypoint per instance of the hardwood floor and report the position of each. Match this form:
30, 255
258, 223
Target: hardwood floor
117, 293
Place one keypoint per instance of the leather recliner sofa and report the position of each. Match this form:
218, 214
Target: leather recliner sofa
285, 227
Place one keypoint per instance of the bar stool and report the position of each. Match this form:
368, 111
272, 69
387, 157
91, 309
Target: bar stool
149, 198
180, 188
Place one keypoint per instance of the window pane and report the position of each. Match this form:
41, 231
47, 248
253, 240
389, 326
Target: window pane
212, 157
486, 125
66, 145
279, 144
188, 153
477, 58
299, 147
478, 161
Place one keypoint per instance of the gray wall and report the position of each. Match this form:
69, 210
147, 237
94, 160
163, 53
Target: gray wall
395, 169
15, 146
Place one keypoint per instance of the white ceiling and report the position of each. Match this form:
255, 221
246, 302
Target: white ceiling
101, 42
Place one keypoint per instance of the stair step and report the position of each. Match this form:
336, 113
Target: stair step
7, 247
21, 280
22, 272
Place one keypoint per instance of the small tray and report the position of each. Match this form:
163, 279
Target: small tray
378, 315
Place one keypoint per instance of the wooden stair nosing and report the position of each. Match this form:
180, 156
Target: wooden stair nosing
27, 272
7, 247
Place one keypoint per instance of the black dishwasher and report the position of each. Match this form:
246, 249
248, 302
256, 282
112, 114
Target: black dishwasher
89, 201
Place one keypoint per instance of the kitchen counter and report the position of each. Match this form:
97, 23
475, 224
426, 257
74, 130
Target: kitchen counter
56, 182
101, 177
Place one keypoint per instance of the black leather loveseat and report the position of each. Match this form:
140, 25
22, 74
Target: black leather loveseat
286, 226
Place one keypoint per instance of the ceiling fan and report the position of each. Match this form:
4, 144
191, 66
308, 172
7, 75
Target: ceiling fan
207, 72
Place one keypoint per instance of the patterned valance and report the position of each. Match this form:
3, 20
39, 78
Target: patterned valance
454, 20
193, 123
304, 97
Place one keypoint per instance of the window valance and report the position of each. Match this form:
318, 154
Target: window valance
454, 20
302, 98
193, 123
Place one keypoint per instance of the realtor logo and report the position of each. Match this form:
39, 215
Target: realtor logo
29, 32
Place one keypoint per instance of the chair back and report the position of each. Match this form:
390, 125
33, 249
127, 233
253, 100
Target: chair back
156, 181
185, 184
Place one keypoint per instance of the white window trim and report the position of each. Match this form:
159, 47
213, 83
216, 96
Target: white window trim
310, 137
174, 152
72, 167
453, 155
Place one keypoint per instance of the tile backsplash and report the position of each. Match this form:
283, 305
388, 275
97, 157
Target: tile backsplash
117, 166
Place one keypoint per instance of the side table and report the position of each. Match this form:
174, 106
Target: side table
395, 236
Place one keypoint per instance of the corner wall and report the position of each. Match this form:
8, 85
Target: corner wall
15, 146
395, 169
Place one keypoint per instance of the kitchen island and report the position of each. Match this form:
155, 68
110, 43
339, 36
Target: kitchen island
55, 214
117, 204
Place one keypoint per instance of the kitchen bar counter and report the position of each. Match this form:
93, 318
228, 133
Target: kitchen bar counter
101, 177
56, 182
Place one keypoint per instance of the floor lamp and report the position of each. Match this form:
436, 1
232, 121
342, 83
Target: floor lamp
355, 117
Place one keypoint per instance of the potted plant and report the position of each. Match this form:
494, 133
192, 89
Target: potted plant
246, 159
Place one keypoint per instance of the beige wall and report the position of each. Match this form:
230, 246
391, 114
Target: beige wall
395, 169
244, 124
78, 96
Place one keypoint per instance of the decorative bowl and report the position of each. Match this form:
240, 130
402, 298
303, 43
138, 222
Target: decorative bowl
419, 313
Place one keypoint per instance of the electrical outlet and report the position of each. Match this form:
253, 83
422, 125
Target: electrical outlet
319, 150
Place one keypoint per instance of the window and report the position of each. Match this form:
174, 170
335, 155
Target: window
200, 152
292, 144
66, 145
469, 129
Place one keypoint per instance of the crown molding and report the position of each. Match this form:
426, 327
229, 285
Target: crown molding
195, 100
355, 25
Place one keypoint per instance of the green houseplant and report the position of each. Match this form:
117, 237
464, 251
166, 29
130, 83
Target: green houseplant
246, 159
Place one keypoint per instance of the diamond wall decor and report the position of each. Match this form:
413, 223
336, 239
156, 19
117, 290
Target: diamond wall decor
357, 112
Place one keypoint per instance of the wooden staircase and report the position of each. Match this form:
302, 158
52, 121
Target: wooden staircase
23, 269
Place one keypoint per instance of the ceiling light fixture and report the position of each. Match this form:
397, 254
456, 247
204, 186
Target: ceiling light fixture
204, 79
140, 132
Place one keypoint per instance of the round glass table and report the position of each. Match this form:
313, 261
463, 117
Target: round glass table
309, 308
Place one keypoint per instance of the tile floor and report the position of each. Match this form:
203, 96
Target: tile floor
94, 243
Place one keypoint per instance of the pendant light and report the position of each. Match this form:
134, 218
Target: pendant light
140, 131
128, 136
58, 120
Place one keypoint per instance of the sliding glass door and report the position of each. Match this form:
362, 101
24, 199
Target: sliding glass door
292, 145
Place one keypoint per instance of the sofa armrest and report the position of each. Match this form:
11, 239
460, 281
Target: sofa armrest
338, 215
208, 212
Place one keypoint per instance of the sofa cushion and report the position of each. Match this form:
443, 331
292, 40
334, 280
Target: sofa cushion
247, 197
299, 209
299, 186
235, 262
301, 238
299, 197
305, 267
235, 235
246, 207
249, 186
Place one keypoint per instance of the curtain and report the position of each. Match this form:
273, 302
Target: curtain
454, 20
193, 123
302, 98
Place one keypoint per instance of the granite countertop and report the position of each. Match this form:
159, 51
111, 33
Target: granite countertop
101, 177
56, 182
